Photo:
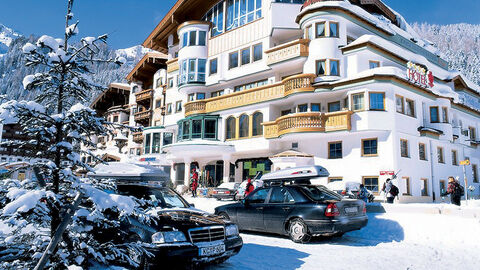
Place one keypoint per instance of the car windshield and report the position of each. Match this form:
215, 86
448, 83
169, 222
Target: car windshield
162, 197
321, 193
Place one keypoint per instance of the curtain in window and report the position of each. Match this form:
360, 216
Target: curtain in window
243, 126
231, 123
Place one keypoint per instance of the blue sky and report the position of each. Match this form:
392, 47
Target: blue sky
130, 21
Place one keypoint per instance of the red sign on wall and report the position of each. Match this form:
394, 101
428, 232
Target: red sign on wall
420, 75
387, 172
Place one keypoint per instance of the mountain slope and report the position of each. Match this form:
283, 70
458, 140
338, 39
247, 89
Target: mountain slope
7, 35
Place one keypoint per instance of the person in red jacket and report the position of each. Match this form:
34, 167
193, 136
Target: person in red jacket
194, 182
249, 188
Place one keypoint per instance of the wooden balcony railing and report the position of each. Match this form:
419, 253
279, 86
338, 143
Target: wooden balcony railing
294, 84
172, 65
308, 122
287, 51
138, 137
143, 115
145, 95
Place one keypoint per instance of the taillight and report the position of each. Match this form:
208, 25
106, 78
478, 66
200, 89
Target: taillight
332, 210
227, 192
215, 192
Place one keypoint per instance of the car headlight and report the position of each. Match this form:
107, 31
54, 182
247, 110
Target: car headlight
231, 230
168, 237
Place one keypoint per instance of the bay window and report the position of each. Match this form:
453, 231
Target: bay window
192, 71
200, 127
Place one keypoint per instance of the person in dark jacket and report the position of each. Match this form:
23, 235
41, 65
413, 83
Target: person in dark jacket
387, 188
249, 188
454, 190
363, 193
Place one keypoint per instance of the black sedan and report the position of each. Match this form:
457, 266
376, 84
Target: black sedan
299, 211
225, 191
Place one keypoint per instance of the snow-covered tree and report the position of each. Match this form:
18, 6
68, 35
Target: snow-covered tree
57, 124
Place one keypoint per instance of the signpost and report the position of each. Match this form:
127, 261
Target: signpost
465, 163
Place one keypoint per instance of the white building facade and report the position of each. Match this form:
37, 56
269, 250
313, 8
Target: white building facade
248, 86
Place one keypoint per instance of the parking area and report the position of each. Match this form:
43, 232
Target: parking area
390, 241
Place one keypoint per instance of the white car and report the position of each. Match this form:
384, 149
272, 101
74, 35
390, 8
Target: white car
243, 186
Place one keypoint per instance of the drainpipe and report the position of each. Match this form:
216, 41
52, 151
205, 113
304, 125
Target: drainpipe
431, 169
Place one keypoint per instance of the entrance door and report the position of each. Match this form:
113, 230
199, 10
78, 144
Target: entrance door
250, 216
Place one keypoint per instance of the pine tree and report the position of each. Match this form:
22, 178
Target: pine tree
57, 124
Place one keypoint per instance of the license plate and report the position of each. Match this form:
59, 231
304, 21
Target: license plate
213, 250
221, 192
351, 210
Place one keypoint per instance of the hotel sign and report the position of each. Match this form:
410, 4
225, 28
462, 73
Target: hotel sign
419, 75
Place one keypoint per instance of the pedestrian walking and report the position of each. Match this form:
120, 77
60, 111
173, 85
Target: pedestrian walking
455, 190
249, 188
391, 191
194, 184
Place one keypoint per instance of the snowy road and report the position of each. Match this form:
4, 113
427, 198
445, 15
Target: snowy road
390, 241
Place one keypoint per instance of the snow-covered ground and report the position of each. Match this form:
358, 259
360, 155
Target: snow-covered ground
390, 241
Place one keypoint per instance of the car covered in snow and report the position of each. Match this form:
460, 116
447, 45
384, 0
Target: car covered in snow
288, 204
183, 235
226, 191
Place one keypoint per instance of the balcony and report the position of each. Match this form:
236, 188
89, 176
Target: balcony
295, 84
144, 97
287, 51
172, 65
138, 137
308, 122
143, 116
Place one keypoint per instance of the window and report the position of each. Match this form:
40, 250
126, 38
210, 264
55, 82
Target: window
422, 152
147, 143
434, 118
280, 195
406, 185
320, 29
197, 128
202, 35
216, 16
399, 104
231, 128
233, 60
377, 101
473, 133
169, 108
410, 107
158, 103
369, 147
191, 97
302, 108
184, 134
159, 82
315, 107
257, 120
178, 106
358, 102
156, 143
424, 186
200, 96
475, 173
454, 158
285, 112
257, 52
243, 126
345, 103
333, 29
213, 66
210, 129
334, 68
259, 196
170, 83
245, 56
440, 155
115, 119
192, 71
321, 67
217, 93
334, 106
334, 179
445, 114
192, 38
373, 64
404, 148
185, 39
442, 186
167, 138
250, 85
309, 32
371, 183
334, 150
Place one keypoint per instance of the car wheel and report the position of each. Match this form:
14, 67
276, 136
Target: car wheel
224, 216
298, 231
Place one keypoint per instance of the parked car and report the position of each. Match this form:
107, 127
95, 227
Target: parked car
183, 235
349, 190
225, 191
289, 205
243, 186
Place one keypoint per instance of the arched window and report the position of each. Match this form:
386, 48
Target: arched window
257, 121
231, 124
243, 126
